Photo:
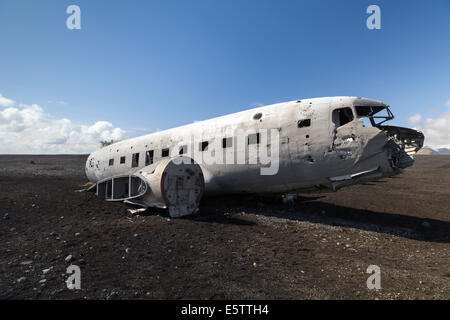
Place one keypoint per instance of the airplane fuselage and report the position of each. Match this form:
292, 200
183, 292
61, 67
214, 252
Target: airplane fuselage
322, 143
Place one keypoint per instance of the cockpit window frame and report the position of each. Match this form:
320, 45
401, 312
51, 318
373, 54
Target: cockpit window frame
371, 114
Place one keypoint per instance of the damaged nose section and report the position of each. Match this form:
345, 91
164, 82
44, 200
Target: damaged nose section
402, 145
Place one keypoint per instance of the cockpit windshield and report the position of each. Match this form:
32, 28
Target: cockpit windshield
376, 114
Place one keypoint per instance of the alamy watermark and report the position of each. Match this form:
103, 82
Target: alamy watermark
73, 282
374, 281
74, 20
374, 20
250, 147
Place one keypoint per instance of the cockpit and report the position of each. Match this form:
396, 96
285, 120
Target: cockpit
377, 115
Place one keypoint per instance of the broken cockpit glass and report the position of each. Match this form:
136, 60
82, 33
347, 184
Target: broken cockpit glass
377, 115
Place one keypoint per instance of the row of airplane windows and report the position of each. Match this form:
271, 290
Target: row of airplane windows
226, 143
203, 146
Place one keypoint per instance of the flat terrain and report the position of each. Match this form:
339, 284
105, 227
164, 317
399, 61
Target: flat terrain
318, 247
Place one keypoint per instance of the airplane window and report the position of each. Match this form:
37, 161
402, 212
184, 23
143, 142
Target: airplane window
135, 160
227, 142
122, 160
342, 116
253, 138
203, 145
111, 162
149, 157
377, 115
183, 150
165, 152
367, 111
304, 123
257, 116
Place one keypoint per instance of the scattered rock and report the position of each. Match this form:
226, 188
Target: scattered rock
12, 229
31, 162
69, 258
128, 250
45, 271
82, 262
22, 280
6, 216
426, 224
37, 257
53, 234
289, 198
77, 234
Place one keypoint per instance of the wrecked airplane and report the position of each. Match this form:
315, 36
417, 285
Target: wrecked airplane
316, 145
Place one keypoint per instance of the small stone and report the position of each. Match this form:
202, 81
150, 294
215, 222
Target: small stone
6, 216
12, 229
191, 246
43, 281
37, 257
426, 224
21, 280
347, 246
53, 234
82, 262
68, 258
77, 234
128, 250
45, 271
137, 235
254, 264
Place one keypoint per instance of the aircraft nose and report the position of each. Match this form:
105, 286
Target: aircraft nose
403, 144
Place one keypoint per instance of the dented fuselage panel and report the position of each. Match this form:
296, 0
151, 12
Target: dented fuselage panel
322, 144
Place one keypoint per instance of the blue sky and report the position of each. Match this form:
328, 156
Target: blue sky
148, 65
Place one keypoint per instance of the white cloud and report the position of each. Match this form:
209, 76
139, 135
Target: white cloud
28, 129
436, 131
5, 102
415, 119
